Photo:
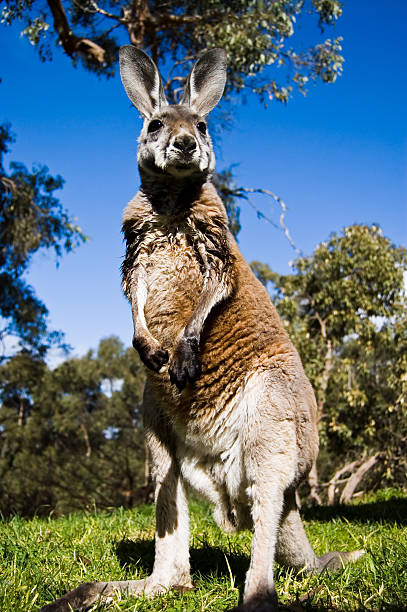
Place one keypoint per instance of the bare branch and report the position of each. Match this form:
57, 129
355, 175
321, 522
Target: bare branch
101, 11
355, 479
9, 185
116, 25
241, 193
182, 62
97, 10
336, 479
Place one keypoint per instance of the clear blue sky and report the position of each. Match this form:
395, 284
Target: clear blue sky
336, 157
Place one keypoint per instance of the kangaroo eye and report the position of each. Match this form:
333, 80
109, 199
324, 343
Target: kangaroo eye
154, 126
201, 127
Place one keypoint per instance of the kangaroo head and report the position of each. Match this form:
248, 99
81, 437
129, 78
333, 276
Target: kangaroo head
174, 140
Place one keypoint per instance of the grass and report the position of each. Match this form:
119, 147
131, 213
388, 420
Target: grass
41, 559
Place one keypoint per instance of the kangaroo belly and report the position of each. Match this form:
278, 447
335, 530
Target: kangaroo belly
174, 283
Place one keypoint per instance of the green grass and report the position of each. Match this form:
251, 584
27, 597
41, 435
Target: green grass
42, 559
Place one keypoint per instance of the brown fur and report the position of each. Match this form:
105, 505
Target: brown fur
242, 335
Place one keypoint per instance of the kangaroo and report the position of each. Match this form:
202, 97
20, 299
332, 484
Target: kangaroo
228, 409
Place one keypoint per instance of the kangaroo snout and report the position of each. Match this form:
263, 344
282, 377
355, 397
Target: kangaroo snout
184, 143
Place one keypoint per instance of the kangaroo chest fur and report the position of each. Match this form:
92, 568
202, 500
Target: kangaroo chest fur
174, 281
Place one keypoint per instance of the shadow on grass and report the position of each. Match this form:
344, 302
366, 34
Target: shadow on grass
390, 511
136, 555
205, 561
212, 560
209, 561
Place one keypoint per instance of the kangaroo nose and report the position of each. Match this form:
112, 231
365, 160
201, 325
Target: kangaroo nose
186, 144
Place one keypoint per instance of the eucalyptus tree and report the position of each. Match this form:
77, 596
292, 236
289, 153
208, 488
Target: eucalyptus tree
265, 56
71, 437
345, 309
31, 218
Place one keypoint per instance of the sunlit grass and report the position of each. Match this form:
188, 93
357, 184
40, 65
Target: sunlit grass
42, 559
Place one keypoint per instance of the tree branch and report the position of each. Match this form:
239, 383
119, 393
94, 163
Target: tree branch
139, 22
179, 19
100, 11
9, 185
355, 479
71, 43
336, 479
86, 438
242, 192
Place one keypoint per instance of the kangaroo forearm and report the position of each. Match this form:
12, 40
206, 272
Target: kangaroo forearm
185, 364
213, 293
149, 349
138, 298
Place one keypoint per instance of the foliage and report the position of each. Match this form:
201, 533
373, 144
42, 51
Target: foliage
229, 192
264, 54
41, 559
71, 437
366, 406
31, 218
345, 309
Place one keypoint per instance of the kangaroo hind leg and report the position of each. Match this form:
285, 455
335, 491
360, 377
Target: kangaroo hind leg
270, 457
293, 547
171, 562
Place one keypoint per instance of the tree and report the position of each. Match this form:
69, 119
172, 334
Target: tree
31, 218
124, 453
71, 437
366, 408
23, 468
344, 308
256, 36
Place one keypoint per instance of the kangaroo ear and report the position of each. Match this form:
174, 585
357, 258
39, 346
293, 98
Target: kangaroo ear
206, 82
141, 80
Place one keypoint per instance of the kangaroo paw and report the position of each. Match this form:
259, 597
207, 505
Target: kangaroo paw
86, 595
151, 353
185, 365
89, 593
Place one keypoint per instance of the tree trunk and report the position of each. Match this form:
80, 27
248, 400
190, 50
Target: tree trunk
87, 441
72, 44
313, 474
314, 486
355, 479
146, 464
335, 480
21, 413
